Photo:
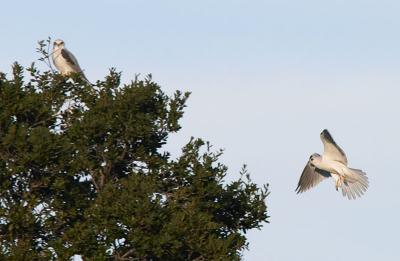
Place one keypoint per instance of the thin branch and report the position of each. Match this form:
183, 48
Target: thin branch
45, 54
48, 52
128, 253
94, 182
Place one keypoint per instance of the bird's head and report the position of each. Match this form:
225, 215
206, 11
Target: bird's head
58, 43
315, 159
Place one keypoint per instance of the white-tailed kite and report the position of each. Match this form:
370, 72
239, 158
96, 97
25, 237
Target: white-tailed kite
65, 61
332, 163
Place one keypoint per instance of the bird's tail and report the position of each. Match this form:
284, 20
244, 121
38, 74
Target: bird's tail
84, 78
355, 183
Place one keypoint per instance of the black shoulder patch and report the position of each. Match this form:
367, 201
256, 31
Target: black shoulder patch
65, 55
324, 173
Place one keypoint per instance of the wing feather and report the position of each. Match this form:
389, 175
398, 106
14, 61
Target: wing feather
70, 58
73, 62
311, 177
332, 151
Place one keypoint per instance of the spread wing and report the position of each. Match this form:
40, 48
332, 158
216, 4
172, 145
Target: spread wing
311, 177
332, 151
71, 60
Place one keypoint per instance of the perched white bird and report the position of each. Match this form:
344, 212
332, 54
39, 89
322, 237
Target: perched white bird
65, 61
332, 163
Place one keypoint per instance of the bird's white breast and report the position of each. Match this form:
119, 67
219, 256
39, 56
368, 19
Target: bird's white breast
60, 63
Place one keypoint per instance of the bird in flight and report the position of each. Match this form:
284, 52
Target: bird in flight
333, 163
65, 61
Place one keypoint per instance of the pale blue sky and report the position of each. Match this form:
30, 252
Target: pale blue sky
266, 77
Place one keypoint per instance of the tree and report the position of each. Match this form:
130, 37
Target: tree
82, 171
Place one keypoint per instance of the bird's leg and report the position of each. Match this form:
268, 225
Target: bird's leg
339, 182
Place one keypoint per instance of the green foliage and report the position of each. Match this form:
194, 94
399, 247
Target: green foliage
91, 179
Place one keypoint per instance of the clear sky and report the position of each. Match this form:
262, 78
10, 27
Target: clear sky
266, 77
